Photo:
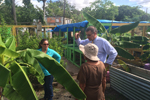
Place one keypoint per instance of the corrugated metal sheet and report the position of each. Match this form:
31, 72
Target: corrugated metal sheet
131, 86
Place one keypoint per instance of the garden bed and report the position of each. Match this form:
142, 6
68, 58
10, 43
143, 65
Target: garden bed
134, 85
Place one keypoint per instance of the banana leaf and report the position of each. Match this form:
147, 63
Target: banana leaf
146, 47
59, 72
123, 53
10, 43
4, 74
35, 68
11, 94
126, 44
123, 64
21, 83
145, 56
94, 22
122, 38
124, 28
148, 30
1, 42
140, 39
8, 53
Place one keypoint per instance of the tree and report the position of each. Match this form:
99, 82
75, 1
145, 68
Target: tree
103, 9
128, 13
14, 12
44, 1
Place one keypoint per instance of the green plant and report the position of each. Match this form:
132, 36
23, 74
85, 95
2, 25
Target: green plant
56, 44
16, 66
4, 31
25, 40
115, 36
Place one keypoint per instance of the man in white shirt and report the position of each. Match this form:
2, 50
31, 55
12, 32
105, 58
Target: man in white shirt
105, 48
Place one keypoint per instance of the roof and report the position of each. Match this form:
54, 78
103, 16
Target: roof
84, 24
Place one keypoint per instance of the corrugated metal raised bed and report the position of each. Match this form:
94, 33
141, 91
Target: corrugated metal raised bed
134, 85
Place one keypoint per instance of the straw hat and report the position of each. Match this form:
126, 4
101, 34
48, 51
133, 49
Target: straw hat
90, 51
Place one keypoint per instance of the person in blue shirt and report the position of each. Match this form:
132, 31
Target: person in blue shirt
48, 88
105, 48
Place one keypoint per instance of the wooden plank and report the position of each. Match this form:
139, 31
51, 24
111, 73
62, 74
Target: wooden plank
46, 26
120, 24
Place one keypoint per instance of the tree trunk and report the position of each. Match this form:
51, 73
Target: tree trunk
44, 9
0, 92
14, 12
64, 12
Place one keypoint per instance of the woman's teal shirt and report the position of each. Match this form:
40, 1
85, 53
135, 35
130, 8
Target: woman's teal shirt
53, 54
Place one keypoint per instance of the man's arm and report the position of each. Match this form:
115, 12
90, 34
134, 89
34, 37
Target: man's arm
111, 51
79, 41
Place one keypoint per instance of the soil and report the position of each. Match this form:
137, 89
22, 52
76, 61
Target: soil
60, 93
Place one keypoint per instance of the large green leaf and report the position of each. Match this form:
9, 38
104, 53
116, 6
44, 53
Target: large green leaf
145, 56
1, 42
126, 44
94, 22
21, 82
123, 53
140, 39
124, 28
34, 68
122, 38
10, 93
8, 53
59, 72
146, 47
4, 74
148, 30
10, 43
123, 64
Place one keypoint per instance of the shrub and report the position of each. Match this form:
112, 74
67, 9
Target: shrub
4, 31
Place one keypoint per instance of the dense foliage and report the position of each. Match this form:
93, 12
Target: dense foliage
100, 9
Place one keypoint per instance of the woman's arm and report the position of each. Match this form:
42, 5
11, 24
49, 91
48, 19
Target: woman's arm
104, 84
56, 56
82, 86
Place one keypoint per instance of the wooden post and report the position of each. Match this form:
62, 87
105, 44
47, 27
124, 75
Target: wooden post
14, 30
132, 32
44, 33
143, 33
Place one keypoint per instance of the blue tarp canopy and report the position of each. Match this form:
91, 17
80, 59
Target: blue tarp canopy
84, 24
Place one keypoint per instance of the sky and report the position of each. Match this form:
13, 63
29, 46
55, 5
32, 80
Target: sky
86, 3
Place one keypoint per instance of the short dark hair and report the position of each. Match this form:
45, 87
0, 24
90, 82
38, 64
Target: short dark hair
92, 29
41, 42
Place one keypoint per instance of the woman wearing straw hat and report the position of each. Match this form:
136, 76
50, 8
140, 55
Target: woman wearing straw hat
92, 74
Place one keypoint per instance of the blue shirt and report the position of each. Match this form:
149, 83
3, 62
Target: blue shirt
105, 48
53, 54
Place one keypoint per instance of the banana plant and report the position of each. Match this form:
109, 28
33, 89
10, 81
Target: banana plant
15, 66
115, 35
123, 65
146, 49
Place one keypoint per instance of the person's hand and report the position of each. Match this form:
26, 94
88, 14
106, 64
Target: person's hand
77, 35
106, 66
